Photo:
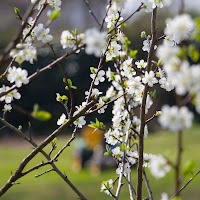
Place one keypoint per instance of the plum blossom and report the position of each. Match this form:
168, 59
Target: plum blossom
42, 34
113, 50
126, 170
80, 122
149, 78
147, 45
117, 153
180, 27
113, 17
62, 119
7, 107
141, 64
17, 75
53, 3
107, 186
99, 76
95, 93
10, 96
101, 103
164, 196
175, 118
95, 42
24, 52
158, 166
67, 40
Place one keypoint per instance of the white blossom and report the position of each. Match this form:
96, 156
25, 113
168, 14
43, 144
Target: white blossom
164, 196
62, 119
141, 64
10, 96
80, 122
113, 50
180, 27
107, 186
7, 107
17, 75
95, 93
158, 166
101, 103
149, 78
42, 34
95, 42
175, 118
99, 76
67, 40
147, 45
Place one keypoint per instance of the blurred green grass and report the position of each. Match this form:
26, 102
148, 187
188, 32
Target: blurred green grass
50, 186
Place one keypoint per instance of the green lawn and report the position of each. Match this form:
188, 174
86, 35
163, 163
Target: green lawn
51, 187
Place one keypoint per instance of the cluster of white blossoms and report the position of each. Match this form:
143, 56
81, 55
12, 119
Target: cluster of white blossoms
9, 97
180, 27
175, 119
176, 73
53, 3
113, 17
24, 52
69, 40
149, 5
107, 186
17, 76
158, 166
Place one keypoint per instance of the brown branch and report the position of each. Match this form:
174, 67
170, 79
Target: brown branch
50, 170
142, 111
178, 162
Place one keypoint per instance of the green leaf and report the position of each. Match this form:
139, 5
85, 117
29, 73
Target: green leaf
42, 115
123, 147
64, 97
69, 82
35, 108
188, 167
106, 154
53, 142
74, 87
92, 69
193, 53
55, 14
16, 10
64, 80
66, 88
107, 148
133, 53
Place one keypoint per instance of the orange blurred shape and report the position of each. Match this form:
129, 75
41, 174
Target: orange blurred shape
92, 137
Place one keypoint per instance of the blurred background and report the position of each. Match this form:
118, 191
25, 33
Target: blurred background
74, 14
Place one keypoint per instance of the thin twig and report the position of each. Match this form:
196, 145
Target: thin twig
50, 170
91, 12
139, 8
183, 187
66, 82
44, 69
147, 185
